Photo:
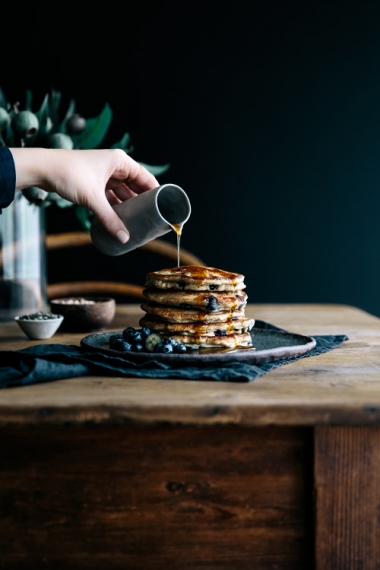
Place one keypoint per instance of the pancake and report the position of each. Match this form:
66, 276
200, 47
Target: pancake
203, 341
195, 278
232, 326
178, 315
199, 300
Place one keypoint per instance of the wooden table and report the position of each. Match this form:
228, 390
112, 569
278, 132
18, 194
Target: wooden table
281, 473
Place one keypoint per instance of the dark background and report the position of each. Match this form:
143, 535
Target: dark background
267, 111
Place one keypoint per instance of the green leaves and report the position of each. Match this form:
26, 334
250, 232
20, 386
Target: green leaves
70, 111
123, 144
52, 126
3, 101
84, 216
43, 117
53, 198
54, 102
95, 131
28, 100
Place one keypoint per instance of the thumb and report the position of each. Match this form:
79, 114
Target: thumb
111, 222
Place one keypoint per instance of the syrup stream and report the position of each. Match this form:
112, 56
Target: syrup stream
178, 230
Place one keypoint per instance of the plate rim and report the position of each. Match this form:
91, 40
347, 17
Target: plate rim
245, 356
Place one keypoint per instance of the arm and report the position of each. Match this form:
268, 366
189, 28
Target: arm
96, 179
7, 177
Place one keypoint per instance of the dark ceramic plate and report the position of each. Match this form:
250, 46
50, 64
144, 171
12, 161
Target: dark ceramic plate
269, 345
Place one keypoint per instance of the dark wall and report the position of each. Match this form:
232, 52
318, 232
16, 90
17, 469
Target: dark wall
268, 113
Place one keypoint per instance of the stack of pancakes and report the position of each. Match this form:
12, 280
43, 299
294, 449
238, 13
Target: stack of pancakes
198, 306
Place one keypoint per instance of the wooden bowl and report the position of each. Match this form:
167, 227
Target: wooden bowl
84, 313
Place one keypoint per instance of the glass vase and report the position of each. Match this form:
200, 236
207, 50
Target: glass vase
22, 258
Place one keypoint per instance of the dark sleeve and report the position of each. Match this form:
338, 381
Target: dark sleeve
7, 177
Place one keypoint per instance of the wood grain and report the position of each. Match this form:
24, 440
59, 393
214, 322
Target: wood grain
155, 497
347, 483
340, 387
143, 473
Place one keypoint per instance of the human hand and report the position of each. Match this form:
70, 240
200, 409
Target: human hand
96, 179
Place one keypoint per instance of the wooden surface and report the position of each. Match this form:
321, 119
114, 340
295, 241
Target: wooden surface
187, 475
155, 497
340, 387
347, 484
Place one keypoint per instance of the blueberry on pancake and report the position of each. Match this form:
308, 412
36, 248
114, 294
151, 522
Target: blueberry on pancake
223, 301
171, 314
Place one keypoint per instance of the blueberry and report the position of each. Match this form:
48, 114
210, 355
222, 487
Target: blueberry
181, 284
134, 336
118, 344
145, 332
115, 337
127, 332
138, 347
213, 287
121, 345
158, 347
179, 348
212, 303
220, 333
171, 340
167, 348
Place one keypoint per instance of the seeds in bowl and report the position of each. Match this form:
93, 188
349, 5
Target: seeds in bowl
77, 302
40, 316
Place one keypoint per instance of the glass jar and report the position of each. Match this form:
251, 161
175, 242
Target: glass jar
22, 258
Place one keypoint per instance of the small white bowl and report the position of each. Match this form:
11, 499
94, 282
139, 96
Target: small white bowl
39, 329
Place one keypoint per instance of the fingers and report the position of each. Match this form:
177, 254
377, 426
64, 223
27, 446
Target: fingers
140, 179
120, 190
111, 221
112, 198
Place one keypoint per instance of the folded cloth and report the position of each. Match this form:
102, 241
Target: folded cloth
49, 362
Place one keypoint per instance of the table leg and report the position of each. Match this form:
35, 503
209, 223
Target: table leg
347, 497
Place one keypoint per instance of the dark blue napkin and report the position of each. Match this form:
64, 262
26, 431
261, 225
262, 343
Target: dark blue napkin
49, 362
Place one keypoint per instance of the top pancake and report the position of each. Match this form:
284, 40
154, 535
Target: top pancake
195, 278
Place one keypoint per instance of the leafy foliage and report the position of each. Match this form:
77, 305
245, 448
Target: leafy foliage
71, 131
95, 130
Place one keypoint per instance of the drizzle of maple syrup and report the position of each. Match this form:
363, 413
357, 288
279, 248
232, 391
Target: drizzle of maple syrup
202, 272
178, 230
